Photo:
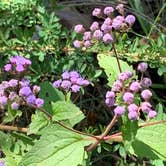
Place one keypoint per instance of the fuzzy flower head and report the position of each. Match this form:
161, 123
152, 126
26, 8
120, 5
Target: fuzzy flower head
71, 81
146, 94
96, 12
119, 110
79, 28
108, 10
77, 44
152, 114
146, 82
142, 67
135, 86
107, 38
130, 19
97, 34
94, 26
128, 98
18, 64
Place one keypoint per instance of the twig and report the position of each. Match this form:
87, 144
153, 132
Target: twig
13, 128
116, 55
93, 146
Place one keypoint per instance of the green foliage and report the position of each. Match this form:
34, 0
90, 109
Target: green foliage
49, 94
110, 66
63, 148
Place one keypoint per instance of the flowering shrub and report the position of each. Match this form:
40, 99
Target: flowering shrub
18, 92
71, 81
45, 124
131, 91
104, 32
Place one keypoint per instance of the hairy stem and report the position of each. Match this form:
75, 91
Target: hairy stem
116, 55
13, 128
108, 128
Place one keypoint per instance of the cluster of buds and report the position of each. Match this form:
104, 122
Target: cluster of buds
104, 32
126, 92
17, 64
71, 81
18, 92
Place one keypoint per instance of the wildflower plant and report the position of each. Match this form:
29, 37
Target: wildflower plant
52, 135
18, 92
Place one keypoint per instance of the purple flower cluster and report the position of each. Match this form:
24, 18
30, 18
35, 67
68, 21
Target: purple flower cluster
125, 94
71, 81
19, 92
103, 32
17, 64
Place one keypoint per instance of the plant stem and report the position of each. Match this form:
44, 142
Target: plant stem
108, 128
116, 55
13, 128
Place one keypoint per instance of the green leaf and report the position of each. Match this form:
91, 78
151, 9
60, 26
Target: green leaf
110, 66
38, 122
129, 131
63, 110
49, 94
150, 142
57, 146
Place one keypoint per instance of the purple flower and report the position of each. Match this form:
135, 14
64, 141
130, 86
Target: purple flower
39, 102
107, 38
85, 82
15, 106
57, 84
107, 21
129, 74
94, 26
132, 107
119, 110
80, 81
73, 80
146, 107
8, 67
5, 84
106, 28
2, 163
146, 94
110, 102
116, 24
123, 76
87, 35
97, 34
117, 86
79, 28
142, 67
135, 86
96, 12
3, 100
77, 44
31, 99
146, 82
65, 75
75, 88
36, 89
87, 43
108, 10
152, 114
24, 82
128, 98
13, 83
74, 74
110, 94
66, 84
130, 19
25, 91
20, 68
133, 115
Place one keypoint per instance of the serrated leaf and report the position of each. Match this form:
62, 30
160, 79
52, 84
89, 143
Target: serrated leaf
57, 146
39, 121
110, 66
63, 110
49, 94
